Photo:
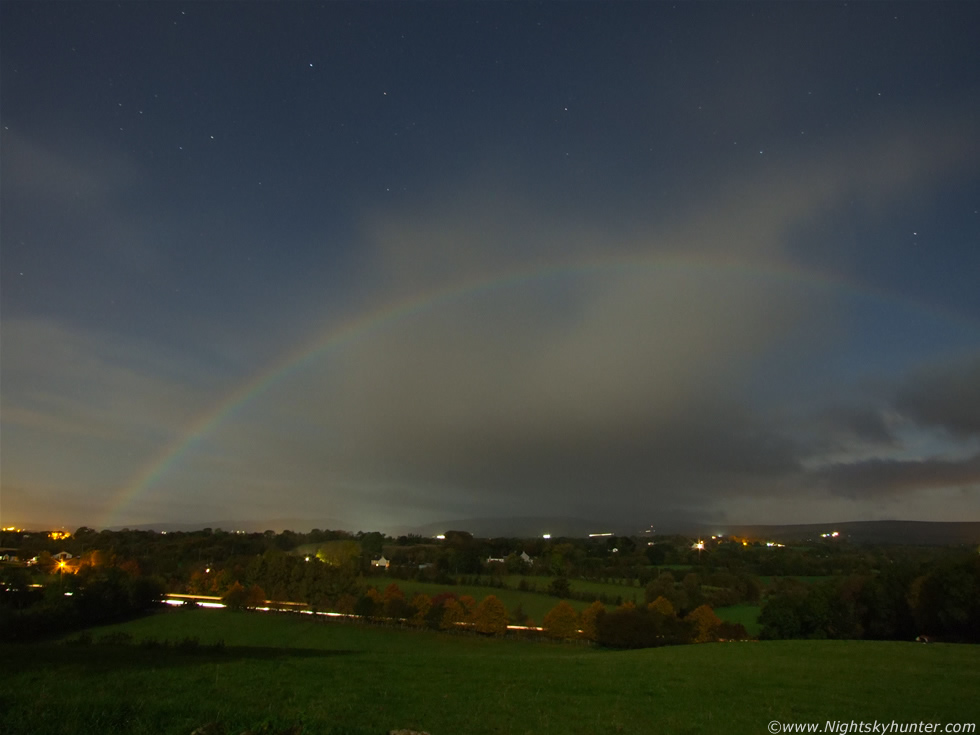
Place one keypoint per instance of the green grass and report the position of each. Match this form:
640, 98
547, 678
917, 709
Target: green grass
612, 589
746, 613
769, 581
338, 678
535, 604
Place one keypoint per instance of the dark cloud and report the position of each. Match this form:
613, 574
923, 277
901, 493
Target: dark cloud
888, 477
945, 395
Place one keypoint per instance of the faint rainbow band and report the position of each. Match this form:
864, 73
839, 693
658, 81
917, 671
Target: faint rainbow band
388, 314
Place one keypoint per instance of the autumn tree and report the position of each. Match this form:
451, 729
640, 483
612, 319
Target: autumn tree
254, 596
561, 621
346, 604
663, 606
395, 605
421, 604
491, 616
705, 623
453, 615
590, 617
236, 597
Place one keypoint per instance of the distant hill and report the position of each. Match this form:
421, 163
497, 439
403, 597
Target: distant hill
932, 533
929, 533
520, 527
299, 525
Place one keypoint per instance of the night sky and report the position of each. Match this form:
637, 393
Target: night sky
390, 264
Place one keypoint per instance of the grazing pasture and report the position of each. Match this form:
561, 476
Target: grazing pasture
747, 614
348, 678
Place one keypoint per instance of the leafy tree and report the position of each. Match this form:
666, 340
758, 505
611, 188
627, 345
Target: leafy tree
705, 623
656, 554
453, 615
946, 602
254, 596
370, 604
395, 605
559, 587
884, 604
590, 620
491, 616
346, 604
344, 553
663, 606
421, 604
515, 564
235, 598
561, 621
662, 586
372, 542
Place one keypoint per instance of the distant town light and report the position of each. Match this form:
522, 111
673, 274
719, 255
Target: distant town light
545, 535
441, 537
595, 535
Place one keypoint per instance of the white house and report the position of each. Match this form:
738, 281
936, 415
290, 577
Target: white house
382, 562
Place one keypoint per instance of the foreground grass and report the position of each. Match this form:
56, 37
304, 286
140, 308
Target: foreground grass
346, 678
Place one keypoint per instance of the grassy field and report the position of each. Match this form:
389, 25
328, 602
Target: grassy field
747, 614
770, 581
535, 604
344, 678
612, 589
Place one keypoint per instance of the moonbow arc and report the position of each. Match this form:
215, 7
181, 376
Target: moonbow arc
378, 319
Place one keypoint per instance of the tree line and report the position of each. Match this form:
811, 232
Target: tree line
940, 601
